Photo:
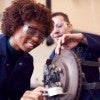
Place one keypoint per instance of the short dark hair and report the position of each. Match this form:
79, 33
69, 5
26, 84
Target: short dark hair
21, 11
65, 16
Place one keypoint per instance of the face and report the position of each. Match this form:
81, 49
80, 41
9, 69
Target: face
60, 27
28, 36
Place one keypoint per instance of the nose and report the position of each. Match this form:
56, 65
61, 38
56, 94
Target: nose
36, 40
55, 31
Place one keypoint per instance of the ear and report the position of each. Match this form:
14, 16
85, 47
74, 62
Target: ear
70, 27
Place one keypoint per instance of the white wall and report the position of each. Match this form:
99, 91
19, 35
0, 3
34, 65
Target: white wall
40, 54
84, 14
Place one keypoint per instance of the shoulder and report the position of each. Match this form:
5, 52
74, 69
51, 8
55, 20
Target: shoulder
1, 35
3, 39
93, 35
28, 56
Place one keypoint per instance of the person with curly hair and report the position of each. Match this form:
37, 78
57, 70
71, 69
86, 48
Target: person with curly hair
25, 25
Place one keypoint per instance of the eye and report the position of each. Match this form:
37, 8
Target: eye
59, 25
35, 32
32, 31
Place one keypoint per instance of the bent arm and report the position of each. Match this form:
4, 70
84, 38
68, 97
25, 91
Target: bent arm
70, 41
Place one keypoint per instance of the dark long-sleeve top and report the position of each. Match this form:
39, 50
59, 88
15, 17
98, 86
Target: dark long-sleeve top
15, 72
88, 52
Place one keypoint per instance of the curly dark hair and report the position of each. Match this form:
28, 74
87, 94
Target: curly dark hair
21, 11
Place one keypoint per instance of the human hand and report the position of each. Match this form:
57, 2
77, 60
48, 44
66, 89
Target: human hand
35, 94
68, 41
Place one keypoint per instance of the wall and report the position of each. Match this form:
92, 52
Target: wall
84, 14
40, 55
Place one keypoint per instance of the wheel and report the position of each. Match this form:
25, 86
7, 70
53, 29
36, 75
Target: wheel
66, 70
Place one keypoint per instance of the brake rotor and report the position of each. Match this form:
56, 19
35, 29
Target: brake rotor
69, 76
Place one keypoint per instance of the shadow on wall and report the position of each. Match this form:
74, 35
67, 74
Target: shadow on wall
49, 41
